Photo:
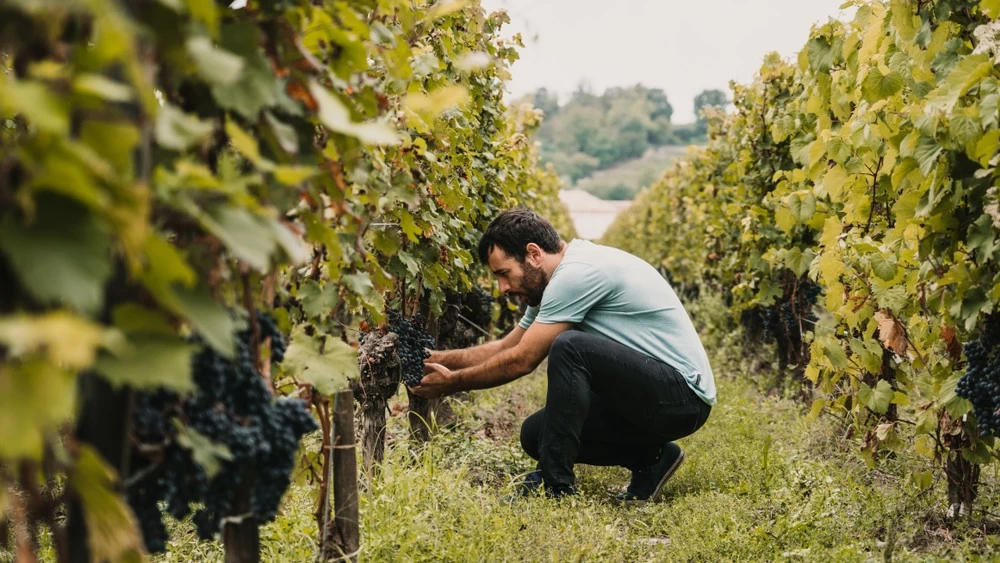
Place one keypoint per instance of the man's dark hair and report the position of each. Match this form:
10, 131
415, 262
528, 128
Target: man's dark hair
513, 229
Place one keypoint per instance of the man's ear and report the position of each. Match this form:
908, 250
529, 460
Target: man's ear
533, 252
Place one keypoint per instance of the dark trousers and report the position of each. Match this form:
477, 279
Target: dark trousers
607, 405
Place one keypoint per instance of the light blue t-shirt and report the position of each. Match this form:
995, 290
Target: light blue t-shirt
611, 293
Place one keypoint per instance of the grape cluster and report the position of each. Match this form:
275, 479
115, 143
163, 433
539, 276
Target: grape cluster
782, 319
477, 306
233, 405
980, 383
412, 345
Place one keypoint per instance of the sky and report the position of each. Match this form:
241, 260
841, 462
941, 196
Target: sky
683, 47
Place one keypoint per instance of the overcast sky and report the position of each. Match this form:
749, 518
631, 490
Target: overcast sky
681, 46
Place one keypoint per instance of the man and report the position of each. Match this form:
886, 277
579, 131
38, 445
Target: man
627, 373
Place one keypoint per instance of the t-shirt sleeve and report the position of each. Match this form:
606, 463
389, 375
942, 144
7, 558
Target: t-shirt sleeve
571, 293
529, 317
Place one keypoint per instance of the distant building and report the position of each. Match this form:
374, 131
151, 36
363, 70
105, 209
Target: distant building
591, 215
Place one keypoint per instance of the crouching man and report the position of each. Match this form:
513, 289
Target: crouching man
627, 373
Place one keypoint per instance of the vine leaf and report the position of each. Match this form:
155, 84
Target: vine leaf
61, 337
148, 362
215, 65
64, 256
206, 452
177, 130
35, 397
326, 365
111, 528
877, 399
891, 332
335, 115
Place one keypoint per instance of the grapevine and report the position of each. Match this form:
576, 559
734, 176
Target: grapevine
232, 406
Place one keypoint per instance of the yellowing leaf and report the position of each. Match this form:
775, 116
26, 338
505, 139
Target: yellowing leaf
437, 101
446, 7
35, 398
65, 339
831, 266
247, 145
112, 531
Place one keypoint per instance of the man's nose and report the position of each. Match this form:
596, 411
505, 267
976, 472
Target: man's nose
504, 286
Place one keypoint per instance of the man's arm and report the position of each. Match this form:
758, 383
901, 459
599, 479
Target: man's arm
502, 368
466, 357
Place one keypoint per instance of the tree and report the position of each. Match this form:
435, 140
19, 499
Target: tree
707, 98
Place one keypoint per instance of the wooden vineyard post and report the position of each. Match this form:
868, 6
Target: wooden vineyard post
342, 538
240, 532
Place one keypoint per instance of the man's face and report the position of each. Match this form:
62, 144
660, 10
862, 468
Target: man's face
523, 279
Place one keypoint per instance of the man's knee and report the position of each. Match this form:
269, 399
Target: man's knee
531, 430
566, 342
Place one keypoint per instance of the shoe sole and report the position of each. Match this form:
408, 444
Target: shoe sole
666, 477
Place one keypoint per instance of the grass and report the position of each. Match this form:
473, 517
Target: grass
760, 483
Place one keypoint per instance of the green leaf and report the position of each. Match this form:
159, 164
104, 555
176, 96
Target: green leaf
884, 268
257, 87
148, 362
974, 302
325, 364
64, 256
210, 318
894, 298
177, 131
821, 54
285, 134
335, 115
296, 248
215, 65
35, 398
207, 453
249, 237
927, 152
982, 238
802, 207
411, 264
132, 318
878, 86
115, 142
836, 354
316, 300
877, 399
969, 71
204, 12
409, 227
36, 102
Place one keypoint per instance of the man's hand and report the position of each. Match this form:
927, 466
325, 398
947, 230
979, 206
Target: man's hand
437, 382
433, 359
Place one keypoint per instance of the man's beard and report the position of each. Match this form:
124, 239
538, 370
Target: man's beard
533, 281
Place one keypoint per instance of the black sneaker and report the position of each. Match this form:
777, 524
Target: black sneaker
533, 482
647, 483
